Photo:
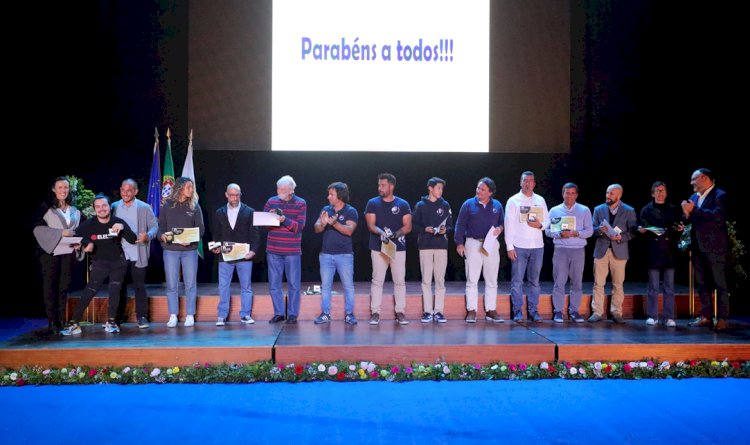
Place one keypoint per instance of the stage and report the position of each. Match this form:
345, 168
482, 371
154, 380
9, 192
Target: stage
388, 342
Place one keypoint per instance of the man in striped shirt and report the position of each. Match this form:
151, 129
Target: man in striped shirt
284, 248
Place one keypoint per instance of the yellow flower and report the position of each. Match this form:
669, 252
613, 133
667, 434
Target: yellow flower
714, 363
176, 369
112, 375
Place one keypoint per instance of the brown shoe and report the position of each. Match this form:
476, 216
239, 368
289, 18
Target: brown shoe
471, 316
721, 325
401, 318
493, 316
701, 322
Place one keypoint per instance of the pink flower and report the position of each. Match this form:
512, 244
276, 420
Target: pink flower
627, 367
395, 369
20, 382
477, 366
522, 366
298, 369
408, 370
92, 372
736, 365
568, 365
512, 367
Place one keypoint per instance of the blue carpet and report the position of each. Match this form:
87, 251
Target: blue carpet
549, 411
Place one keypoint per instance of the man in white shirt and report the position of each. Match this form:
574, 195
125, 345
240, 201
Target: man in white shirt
526, 217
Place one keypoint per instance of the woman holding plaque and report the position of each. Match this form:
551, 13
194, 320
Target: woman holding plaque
180, 230
56, 219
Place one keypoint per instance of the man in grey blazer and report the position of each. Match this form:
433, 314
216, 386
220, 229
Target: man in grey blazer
614, 225
141, 219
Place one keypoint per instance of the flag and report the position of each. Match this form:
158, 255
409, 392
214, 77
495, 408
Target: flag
154, 182
188, 171
167, 179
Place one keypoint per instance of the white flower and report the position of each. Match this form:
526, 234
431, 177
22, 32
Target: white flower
582, 370
352, 368
363, 365
633, 364
664, 365
598, 366
321, 367
155, 372
371, 367
503, 368
642, 365
46, 371
126, 370
494, 367
13, 375
573, 371
63, 371
333, 370
544, 365
446, 370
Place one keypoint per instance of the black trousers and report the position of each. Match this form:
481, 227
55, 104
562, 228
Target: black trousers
56, 275
710, 274
100, 271
138, 276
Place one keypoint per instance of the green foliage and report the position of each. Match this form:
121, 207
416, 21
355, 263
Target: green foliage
342, 371
737, 248
83, 198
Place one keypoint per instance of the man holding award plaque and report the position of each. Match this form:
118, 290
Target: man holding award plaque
389, 221
239, 238
570, 226
526, 218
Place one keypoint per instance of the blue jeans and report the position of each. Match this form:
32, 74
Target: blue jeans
344, 265
189, 261
528, 263
244, 273
652, 302
278, 265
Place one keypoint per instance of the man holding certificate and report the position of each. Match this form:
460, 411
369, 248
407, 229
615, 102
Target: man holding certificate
479, 223
284, 248
389, 221
570, 226
615, 224
233, 227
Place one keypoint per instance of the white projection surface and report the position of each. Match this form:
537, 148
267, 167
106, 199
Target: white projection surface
386, 75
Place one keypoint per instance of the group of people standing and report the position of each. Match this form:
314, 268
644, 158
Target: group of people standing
118, 238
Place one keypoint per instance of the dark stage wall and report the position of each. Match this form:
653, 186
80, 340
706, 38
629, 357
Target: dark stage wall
641, 96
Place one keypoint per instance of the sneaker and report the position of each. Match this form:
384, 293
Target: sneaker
292, 319
221, 321
375, 319
172, 323
701, 321
492, 315
322, 318
440, 318
617, 318
471, 316
143, 322
518, 317
401, 318
189, 321
576, 317
670, 323
557, 318
277, 319
350, 319
594, 318
535, 317
72, 328
247, 319
650, 321
112, 327
426, 317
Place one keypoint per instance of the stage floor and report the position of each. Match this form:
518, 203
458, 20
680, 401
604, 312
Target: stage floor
455, 341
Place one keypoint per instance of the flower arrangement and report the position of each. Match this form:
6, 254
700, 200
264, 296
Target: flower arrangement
82, 197
342, 371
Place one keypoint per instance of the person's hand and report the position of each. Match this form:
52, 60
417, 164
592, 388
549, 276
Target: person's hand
384, 238
497, 231
687, 206
216, 250
68, 232
460, 250
249, 255
603, 228
76, 247
535, 224
512, 255
442, 230
430, 230
89, 248
116, 227
324, 218
617, 238
142, 238
642, 229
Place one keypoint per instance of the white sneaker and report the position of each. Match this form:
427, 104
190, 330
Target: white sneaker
671, 323
189, 321
247, 319
650, 321
172, 323
220, 322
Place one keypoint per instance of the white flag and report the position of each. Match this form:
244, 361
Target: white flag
187, 169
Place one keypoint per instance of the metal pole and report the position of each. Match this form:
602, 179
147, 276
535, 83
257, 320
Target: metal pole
716, 304
691, 286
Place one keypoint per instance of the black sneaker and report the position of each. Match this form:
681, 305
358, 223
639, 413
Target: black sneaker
143, 322
471, 316
576, 317
401, 318
277, 319
493, 316
426, 317
375, 319
558, 318
292, 319
535, 317
440, 318
350, 319
322, 318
